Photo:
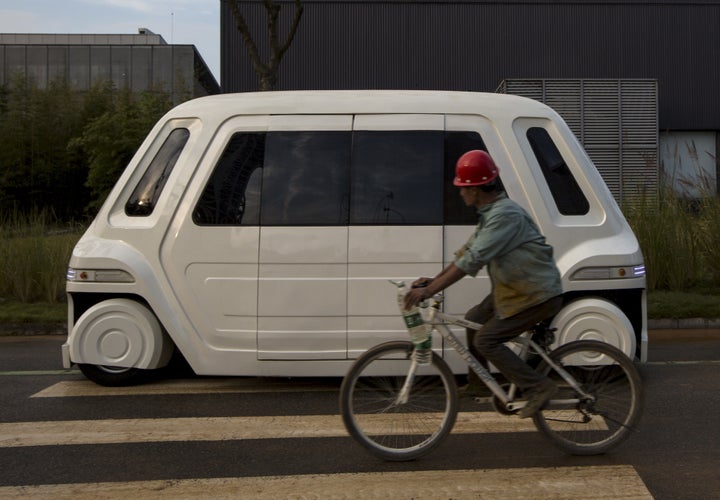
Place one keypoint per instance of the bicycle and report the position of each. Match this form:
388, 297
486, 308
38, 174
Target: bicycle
400, 409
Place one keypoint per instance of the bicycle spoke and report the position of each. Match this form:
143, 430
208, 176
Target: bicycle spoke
597, 424
370, 409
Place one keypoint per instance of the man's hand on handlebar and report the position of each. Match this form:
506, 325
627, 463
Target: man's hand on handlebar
418, 292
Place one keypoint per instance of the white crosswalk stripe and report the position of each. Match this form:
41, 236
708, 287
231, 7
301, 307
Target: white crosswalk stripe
73, 432
616, 481
612, 482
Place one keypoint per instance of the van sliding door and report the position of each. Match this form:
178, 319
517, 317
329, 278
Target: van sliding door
395, 219
302, 297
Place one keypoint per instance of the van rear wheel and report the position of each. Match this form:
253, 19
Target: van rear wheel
114, 376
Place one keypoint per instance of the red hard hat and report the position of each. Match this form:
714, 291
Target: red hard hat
475, 168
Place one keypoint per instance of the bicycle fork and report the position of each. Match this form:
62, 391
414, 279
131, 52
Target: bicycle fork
404, 394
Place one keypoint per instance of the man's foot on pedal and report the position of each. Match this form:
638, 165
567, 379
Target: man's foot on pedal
536, 398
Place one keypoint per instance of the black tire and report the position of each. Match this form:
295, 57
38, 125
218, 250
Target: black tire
398, 431
611, 378
114, 376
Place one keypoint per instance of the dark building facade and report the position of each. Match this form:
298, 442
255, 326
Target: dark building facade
475, 45
139, 62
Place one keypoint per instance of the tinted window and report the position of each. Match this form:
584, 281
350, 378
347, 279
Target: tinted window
457, 144
397, 177
148, 190
568, 196
232, 195
305, 178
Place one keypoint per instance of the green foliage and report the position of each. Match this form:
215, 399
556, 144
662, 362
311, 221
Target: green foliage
62, 150
34, 253
695, 303
679, 238
36, 168
39, 313
110, 140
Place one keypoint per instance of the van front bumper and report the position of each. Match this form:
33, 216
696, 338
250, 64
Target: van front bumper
67, 364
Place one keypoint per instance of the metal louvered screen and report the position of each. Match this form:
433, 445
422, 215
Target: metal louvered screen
615, 120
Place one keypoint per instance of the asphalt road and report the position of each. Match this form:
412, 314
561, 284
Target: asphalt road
62, 436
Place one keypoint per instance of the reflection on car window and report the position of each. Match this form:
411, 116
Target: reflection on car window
397, 177
232, 195
305, 178
145, 195
310, 178
457, 144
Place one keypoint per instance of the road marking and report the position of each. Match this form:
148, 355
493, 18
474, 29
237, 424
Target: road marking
616, 482
682, 363
75, 388
144, 430
20, 373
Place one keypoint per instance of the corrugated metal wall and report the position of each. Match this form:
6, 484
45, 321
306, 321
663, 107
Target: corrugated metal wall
474, 45
616, 120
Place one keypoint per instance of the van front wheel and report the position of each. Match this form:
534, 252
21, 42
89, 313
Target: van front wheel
113, 376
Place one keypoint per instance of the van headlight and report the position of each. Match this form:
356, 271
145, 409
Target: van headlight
608, 273
99, 275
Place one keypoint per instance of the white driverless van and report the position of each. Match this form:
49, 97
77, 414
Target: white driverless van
255, 233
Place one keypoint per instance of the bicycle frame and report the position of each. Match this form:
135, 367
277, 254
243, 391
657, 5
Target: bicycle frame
440, 322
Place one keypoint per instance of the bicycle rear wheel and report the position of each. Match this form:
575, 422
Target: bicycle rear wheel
594, 426
388, 428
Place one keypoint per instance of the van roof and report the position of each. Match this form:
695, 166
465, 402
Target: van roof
361, 102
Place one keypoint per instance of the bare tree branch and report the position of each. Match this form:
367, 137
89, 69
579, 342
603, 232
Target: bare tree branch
266, 72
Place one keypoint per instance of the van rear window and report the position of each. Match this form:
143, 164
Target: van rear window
145, 195
569, 198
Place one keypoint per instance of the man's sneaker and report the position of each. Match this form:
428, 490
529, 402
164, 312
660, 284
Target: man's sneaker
536, 398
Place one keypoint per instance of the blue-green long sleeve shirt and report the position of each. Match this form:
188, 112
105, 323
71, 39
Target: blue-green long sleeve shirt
520, 263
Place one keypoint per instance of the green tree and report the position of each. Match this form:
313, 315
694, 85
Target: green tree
110, 140
36, 169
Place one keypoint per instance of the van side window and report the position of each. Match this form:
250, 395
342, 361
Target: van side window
457, 144
396, 177
232, 195
305, 178
143, 199
568, 196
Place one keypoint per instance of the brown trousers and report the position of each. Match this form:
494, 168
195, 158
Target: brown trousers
488, 343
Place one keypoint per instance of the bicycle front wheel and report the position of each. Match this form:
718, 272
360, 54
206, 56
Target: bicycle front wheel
594, 425
388, 425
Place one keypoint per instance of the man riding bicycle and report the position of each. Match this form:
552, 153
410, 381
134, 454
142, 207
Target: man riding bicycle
526, 287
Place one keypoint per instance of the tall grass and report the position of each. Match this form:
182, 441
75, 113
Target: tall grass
679, 231
671, 240
34, 253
